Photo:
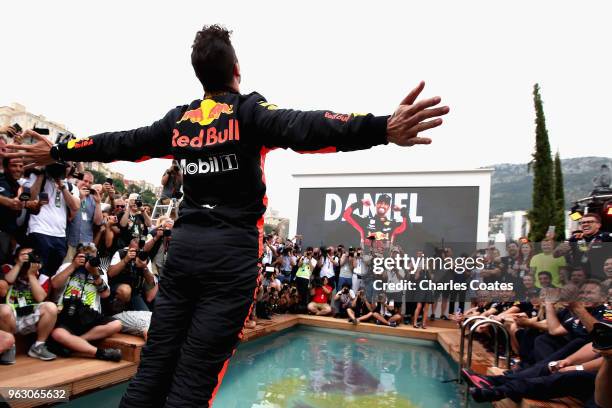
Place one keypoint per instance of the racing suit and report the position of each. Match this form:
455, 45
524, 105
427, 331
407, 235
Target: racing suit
213, 261
382, 229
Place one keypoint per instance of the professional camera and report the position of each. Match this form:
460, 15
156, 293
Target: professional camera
167, 232
56, 171
142, 254
351, 251
71, 304
345, 290
92, 260
138, 202
33, 258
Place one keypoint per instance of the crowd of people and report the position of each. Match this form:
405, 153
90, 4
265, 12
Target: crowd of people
80, 262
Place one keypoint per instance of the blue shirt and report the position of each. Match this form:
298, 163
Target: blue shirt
80, 229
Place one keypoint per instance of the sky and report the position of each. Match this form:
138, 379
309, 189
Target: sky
118, 65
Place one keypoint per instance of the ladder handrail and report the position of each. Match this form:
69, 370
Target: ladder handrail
464, 326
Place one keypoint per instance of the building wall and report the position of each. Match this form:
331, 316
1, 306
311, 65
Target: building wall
17, 113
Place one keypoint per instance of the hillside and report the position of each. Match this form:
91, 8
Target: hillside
511, 184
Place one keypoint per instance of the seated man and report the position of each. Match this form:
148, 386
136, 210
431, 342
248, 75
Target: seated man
360, 310
321, 292
132, 283
26, 310
81, 286
386, 312
573, 376
344, 299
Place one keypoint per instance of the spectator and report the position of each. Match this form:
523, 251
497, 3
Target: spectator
510, 262
358, 270
81, 288
545, 280
287, 262
346, 261
81, 227
306, 265
47, 230
271, 280
524, 258
158, 243
268, 251
321, 292
360, 310
135, 322
133, 286
172, 181
133, 222
13, 201
547, 261
578, 277
327, 262
343, 300
423, 298
607, 267
26, 310
7, 349
588, 248
108, 193
386, 312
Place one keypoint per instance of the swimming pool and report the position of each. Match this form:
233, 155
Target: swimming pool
307, 367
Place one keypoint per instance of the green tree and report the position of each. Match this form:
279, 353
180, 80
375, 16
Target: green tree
559, 200
542, 213
133, 188
148, 197
99, 177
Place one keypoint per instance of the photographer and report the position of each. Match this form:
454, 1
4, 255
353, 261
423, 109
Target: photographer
133, 285
172, 181
346, 267
360, 310
306, 266
158, 242
108, 192
81, 286
81, 227
343, 300
133, 222
47, 230
13, 201
287, 261
25, 310
386, 312
327, 263
359, 269
321, 292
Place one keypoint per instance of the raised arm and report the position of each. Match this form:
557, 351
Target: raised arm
132, 145
326, 132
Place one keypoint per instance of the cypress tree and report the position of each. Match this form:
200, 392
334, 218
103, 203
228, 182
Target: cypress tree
542, 213
559, 200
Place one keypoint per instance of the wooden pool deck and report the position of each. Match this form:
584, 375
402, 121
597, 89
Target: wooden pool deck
82, 375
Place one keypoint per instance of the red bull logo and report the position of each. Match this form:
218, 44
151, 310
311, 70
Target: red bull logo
79, 143
208, 111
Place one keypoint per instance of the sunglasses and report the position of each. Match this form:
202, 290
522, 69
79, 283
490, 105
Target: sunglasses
120, 206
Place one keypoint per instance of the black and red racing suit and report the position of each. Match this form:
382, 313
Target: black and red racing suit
382, 230
211, 270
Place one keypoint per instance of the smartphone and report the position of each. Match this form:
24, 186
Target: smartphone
602, 336
41, 131
17, 128
43, 197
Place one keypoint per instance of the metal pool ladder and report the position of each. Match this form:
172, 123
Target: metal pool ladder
472, 323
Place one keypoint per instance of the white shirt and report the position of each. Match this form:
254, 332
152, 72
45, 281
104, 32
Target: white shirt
117, 258
52, 218
327, 270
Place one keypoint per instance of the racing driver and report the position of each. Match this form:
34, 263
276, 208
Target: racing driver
220, 143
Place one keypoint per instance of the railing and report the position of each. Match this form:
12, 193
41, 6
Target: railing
473, 323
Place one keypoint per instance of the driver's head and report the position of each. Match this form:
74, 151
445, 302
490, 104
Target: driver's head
214, 60
382, 204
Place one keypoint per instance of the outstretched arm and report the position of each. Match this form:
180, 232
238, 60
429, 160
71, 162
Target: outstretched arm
325, 132
132, 145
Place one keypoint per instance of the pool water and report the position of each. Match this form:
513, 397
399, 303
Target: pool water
306, 367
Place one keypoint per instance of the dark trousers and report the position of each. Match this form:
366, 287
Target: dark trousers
302, 287
51, 250
576, 384
200, 310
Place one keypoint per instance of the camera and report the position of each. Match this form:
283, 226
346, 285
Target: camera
56, 170
167, 232
351, 251
25, 194
71, 305
138, 202
92, 260
33, 258
345, 290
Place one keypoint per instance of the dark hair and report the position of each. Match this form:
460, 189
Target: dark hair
545, 273
593, 215
385, 198
213, 57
